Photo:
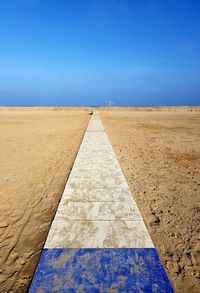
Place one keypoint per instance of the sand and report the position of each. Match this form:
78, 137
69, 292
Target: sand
159, 153
37, 150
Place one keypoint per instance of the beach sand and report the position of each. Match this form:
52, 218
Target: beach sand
159, 153
37, 150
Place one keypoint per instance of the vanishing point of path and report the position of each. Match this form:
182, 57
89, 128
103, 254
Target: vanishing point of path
98, 241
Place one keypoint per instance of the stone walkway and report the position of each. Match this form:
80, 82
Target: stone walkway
98, 241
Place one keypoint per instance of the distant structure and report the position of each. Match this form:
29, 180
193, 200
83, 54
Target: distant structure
109, 103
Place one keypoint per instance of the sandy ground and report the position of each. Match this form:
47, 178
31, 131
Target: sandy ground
159, 153
37, 151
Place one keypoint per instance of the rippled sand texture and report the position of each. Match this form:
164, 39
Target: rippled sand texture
159, 153
37, 151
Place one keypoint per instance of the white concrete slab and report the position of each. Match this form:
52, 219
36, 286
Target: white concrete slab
101, 174
97, 211
96, 163
98, 182
95, 136
96, 195
98, 234
95, 148
100, 155
91, 167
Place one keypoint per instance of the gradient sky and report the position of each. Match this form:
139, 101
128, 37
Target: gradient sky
85, 52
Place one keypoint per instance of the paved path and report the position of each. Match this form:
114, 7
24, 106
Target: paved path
98, 241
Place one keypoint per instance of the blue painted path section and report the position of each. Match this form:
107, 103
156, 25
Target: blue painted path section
100, 270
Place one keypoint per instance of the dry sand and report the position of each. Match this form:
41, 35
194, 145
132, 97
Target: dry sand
159, 153
37, 151
160, 156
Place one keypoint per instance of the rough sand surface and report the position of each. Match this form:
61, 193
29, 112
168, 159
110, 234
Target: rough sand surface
37, 151
60, 108
160, 157
153, 109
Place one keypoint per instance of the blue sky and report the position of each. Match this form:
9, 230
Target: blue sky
85, 52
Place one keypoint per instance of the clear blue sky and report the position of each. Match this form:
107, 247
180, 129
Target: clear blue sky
85, 52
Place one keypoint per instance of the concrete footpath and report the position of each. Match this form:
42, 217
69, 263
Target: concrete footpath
98, 241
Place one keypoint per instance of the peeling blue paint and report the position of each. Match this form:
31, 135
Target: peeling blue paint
100, 270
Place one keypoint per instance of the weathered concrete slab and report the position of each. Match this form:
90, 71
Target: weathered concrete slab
98, 163
101, 156
97, 211
98, 234
90, 167
98, 182
94, 149
95, 137
98, 174
97, 195
95, 126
